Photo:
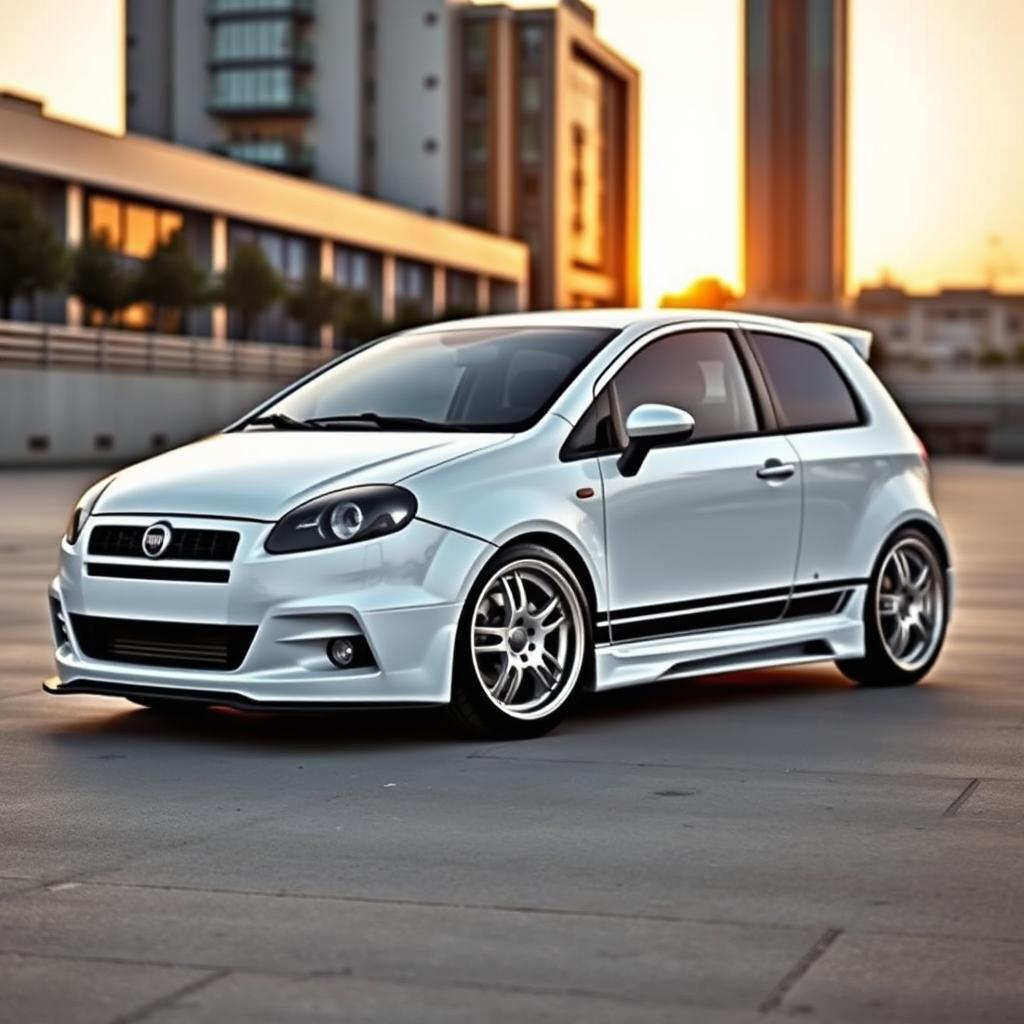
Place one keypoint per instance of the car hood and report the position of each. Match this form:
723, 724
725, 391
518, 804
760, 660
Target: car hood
262, 474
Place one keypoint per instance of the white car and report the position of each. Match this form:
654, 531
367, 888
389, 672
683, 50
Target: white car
497, 514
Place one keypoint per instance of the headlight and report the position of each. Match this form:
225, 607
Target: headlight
83, 509
343, 517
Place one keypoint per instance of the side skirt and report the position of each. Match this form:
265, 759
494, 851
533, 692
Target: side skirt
786, 642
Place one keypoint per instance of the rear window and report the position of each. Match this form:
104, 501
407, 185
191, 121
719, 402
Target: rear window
811, 392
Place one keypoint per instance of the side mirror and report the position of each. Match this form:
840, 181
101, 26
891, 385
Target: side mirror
653, 426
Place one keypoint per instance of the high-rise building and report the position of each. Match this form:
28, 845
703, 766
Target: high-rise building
547, 121
795, 160
521, 122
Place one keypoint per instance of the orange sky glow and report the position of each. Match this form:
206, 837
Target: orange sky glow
936, 152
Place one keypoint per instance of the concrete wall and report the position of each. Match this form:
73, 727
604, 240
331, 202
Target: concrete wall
412, 42
77, 411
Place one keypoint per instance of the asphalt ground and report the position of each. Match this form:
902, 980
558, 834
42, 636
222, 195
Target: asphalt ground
741, 848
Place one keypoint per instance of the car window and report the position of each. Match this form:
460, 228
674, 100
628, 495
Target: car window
458, 378
698, 371
810, 390
594, 434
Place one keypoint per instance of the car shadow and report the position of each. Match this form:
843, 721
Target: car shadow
379, 730
698, 693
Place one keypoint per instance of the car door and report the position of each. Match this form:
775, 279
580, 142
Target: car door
706, 534
844, 468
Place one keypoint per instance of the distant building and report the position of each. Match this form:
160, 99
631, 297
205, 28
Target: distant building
795, 164
958, 326
521, 122
139, 191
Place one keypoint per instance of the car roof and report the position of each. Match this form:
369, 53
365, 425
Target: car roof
621, 319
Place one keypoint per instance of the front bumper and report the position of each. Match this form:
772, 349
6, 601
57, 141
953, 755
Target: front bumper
403, 593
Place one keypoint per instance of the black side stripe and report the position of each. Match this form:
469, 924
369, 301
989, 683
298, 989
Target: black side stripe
754, 607
695, 604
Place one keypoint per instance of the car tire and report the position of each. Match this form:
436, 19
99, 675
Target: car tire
906, 612
523, 649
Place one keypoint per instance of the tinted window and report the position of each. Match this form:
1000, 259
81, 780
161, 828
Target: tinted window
484, 379
697, 371
594, 434
809, 388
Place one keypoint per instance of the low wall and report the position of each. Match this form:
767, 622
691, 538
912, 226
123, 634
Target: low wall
68, 417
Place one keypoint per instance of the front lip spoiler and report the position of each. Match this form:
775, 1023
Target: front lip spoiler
215, 698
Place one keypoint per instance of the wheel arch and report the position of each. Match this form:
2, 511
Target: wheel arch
922, 525
565, 550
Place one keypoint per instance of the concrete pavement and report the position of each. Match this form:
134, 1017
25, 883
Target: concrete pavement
747, 848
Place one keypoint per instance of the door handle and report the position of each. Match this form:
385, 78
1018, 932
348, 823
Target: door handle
776, 469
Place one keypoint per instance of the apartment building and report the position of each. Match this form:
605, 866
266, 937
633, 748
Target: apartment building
522, 122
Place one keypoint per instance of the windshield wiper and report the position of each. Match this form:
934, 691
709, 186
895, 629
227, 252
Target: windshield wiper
384, 422
279, 421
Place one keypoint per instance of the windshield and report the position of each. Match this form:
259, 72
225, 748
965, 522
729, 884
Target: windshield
458, 379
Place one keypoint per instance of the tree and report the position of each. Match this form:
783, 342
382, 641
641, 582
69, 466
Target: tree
31, 257
704, 293
172, 281
250, 285
358, 318
313, 303
410, 314
97, 277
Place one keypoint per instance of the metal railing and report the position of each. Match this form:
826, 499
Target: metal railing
117, 351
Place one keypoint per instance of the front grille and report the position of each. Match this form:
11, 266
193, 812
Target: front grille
177, 574
191, 545
169, 644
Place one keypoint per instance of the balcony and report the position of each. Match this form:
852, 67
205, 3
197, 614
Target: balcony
289, 103
285, 155
217, 9
298, 54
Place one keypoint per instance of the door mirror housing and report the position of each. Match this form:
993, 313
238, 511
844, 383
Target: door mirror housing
653, 426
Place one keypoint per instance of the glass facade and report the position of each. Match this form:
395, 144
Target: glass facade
293, 257
357, 270
460, 292
259, 39
413, 282
133, 230
215, 7
258, 88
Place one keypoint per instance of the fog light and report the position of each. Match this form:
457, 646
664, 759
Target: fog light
342, 651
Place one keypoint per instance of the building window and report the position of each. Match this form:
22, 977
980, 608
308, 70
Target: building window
293, 257
460, 292
530, 94
132, 229
476, 142
412, 281
529, 141
476, 85
589, 160
356, 270
476, 42
531, 43
258, 39
255, 87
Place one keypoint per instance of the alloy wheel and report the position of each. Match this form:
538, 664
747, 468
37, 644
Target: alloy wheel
910, 603
527, 638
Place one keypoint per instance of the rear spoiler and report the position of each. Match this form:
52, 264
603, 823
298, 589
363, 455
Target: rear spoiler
855, 336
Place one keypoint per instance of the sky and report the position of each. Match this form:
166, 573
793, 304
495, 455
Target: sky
936, 145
